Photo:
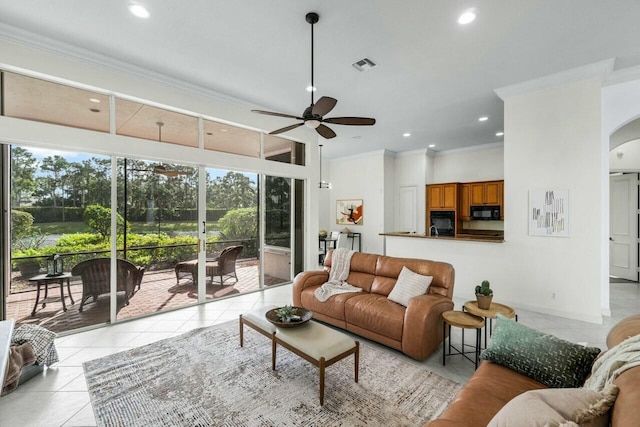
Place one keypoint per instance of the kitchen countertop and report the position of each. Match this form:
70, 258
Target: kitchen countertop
468, 237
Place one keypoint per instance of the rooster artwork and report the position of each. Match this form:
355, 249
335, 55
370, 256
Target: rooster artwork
349, 212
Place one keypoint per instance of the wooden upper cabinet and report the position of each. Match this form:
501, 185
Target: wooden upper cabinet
464, 213
486, 193
442, 196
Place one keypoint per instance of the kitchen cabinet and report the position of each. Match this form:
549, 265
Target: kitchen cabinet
486, 193
442, 196
464, 213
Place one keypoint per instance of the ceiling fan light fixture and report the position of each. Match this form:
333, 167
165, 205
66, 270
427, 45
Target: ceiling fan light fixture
312, 124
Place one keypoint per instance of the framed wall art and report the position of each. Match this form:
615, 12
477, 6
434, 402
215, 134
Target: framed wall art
349, 212
549, 213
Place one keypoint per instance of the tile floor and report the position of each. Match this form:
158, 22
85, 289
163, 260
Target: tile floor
59, 396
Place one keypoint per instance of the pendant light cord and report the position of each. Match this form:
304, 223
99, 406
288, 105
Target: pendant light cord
313, 88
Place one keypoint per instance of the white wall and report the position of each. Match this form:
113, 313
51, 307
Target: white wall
361, 177
479, 163
630, 160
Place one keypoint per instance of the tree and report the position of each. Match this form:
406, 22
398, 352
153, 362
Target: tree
57, 167
238, 224
232, 191
23, 168
98, 218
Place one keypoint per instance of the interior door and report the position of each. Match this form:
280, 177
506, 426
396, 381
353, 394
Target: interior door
623, 217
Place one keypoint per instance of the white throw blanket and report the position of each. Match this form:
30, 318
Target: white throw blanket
614, 362
340, 266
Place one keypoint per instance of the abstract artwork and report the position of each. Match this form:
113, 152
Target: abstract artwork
349, 212
549, 213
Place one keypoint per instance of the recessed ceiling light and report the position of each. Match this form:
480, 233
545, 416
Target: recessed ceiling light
432, 145
483, 119
94, 100
499, 133
138, 10
406, 134
467, 17
311, 89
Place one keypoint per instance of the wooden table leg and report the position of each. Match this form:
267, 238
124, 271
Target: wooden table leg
33, 312
322, 361
273, 351
241, 331
46, 293
357, 359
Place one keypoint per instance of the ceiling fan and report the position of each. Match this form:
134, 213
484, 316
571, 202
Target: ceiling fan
313, 115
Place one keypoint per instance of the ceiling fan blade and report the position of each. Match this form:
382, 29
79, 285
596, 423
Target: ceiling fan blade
325, 132
323, 106
351, 121
271, 113
288, 128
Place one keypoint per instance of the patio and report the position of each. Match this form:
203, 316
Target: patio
158, 292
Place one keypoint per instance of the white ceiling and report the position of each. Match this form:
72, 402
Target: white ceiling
434, 77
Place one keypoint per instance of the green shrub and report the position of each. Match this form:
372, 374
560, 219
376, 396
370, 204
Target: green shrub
98, 219
21, 224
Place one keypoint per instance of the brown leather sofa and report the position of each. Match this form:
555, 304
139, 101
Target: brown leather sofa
415, 330
492, 386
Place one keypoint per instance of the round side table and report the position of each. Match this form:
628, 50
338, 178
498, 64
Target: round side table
461, 319
490, 313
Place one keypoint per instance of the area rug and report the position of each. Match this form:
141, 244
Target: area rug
204, 378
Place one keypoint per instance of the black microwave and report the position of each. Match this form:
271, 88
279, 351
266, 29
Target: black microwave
487, 213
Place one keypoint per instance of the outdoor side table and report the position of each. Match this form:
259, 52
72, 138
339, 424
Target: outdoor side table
490, 313
44, 280
464, 320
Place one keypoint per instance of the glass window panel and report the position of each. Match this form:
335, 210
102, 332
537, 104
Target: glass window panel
231, 139
43, 101
156, 124
159, 202
283, 150
52, 193
232, 220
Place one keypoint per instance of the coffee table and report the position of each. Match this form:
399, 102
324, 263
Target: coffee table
490, 313
319, 345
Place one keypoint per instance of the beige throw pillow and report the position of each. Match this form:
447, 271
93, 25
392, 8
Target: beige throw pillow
555, 407
409, 285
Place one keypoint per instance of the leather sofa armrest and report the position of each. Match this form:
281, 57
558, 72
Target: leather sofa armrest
306, 279
422, 331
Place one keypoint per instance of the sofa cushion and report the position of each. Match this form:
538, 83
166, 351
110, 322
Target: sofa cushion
388, 269
408, 286
376, 313
333, 307
554, 406
548, 359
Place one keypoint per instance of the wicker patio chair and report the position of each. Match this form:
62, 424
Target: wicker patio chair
95, 274
225, 266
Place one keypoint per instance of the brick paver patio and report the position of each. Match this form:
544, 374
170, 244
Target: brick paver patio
158, 292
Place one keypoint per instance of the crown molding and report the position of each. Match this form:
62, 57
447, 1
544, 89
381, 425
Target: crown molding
596, 70
481, 147
376, 153
420, 152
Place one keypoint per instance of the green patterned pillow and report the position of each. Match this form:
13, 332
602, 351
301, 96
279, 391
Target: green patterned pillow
547, 359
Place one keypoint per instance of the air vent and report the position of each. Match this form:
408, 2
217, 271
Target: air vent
365, 64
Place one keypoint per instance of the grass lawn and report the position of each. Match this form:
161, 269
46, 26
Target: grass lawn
136, 227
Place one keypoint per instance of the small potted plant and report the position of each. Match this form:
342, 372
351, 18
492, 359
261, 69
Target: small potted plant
484, 295
288, 314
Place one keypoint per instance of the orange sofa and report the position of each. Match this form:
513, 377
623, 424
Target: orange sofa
492, 386
415, 330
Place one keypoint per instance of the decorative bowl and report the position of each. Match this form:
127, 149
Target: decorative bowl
305, 316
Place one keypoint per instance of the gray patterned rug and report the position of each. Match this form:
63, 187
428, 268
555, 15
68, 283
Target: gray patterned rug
204, 378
